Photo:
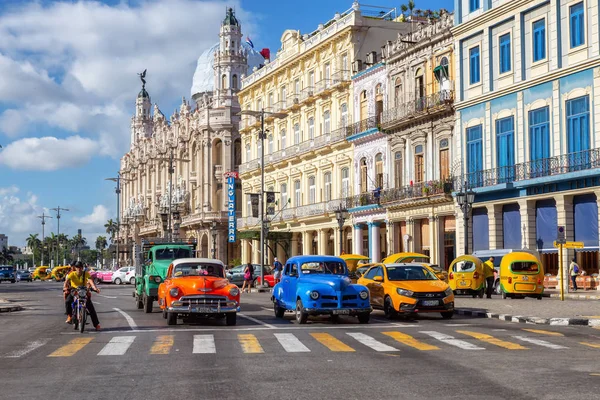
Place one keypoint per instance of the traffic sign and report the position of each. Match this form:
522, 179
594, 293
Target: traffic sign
561, 234
569, 245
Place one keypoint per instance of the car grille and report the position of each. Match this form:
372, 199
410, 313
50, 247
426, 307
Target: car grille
429, 295
328, 304
349, 304
201, 299
349, 297
328, 297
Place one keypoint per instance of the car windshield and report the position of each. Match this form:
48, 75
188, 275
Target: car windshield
525, 267
170, 253
414, 259
410, 273
6, 268
464, 266
198, 269
323, 267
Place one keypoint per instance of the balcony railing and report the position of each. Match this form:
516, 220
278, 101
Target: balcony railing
307, 92
322, 85
423, 105
418, 190
305, 211
362, 126
339, 77
551, 166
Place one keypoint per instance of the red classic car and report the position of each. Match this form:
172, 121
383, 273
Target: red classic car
269, 279
197, 287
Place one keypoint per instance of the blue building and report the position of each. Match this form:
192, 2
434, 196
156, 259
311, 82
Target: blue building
528, 80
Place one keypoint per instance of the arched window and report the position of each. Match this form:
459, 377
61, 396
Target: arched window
248, 153
327, 180
270, 140
311, 128
419, 164
296, 133
297, 194
363, 105
312, 190
344, 113
223, 82
284, 194
398, 170
283, 140
345, 182
379, 170
363, 175
234, 82
327, 122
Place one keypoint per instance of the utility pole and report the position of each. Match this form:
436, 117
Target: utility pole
171, 159
58, 210
43, 217
118, 180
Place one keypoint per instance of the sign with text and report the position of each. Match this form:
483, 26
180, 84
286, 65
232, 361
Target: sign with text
231, 217
569, 245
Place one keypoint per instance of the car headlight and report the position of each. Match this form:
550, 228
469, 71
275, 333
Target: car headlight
404, 292
448, 292
174, 292
364, 295
234, 291
314, 295
157, 279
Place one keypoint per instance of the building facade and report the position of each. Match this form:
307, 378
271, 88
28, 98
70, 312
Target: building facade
528, 79
308, 160
176, 164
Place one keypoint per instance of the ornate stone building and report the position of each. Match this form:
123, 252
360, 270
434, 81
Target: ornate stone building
204, 143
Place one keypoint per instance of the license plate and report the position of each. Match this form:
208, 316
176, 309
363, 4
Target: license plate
202, 310
525, 278
462, 283
430, 302
341, 312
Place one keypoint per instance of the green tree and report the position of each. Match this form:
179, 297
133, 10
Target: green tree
78, 242
111, 229
101, 244
34, 243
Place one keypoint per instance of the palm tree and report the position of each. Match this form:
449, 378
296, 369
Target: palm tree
101, 244
111, 228
78, 241
410, 6
34, 244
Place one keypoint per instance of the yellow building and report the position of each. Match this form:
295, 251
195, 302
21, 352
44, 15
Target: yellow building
308, 161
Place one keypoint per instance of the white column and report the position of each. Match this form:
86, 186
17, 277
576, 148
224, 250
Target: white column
358, 239
374, 241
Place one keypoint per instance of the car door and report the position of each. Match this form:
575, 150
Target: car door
289, 283
376, 289
237, 275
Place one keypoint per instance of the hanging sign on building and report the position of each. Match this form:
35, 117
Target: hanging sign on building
254, 199
231, 216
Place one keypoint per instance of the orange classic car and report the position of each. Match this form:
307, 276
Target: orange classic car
197, 287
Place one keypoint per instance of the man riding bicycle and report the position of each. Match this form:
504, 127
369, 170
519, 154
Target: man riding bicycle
75, 279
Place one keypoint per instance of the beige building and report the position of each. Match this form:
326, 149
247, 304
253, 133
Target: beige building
308, 161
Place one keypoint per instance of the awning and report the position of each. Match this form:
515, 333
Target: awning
481, 229
546, 224
441, 70
511, 226
585, 210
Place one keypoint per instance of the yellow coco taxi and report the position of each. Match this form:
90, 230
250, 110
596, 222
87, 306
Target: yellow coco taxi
407, 289
423, 259
466, 276
521, 275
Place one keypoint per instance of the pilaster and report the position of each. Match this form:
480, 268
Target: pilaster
374, 241
496, 229
527, 211
358, 238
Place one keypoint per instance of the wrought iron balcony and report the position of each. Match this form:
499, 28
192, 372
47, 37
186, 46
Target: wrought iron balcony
322, 86
418, 190
323, 208
427, 105
339, 77
546, 167
362, 126
307, 93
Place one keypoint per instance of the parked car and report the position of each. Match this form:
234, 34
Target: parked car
7, 273
41, 273
119, 276
103, 276
269, 280
319, 285
130, 276
236, 274
197, 287
24, 275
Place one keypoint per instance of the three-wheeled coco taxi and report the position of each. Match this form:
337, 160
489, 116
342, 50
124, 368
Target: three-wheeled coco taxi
521, 275
466, 276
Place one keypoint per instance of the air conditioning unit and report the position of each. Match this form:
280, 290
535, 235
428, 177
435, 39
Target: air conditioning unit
356, 66
371, 58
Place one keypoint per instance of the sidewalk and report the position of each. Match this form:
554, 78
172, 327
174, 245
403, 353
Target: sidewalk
549, 311
7, 306
578, 295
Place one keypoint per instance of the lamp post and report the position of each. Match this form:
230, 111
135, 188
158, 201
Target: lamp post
118, 180
213, 232
43, 218
58, 210
341, 214
171, 159
261, 136
465, 200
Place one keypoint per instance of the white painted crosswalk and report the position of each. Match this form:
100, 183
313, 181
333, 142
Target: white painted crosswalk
291, 343
451, 340
540, 342
371, 342
117, 346
204, 344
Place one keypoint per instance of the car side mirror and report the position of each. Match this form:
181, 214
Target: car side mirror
378, 279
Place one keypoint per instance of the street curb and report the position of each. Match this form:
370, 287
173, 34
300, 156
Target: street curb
11, 308
572, 296
531, 320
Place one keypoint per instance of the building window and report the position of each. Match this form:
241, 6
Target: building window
363, 105
248, 153
578, 124
296, 133
473, 5
539, 40
363, 175
270, 100
327, 180
284, 194
327, 73
234, 82
397, 92
539, 133
270, 140
474, 154
311, 128
379, 170
312, 190
577, 29
297, 87
419, 164
223, 82
297, 194
344, 112
258, 148
474, 68
505, 148
419, 87
249, 206
345, 63
283, 94
311, 79
504, 45
345, 182
283, 140
444, 159
398, 169
327, 122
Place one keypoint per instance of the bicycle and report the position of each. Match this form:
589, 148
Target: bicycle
80, 311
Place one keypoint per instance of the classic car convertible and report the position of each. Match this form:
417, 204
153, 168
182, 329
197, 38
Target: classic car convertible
197, 287
319, 285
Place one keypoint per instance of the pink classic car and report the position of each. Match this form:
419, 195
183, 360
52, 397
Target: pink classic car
103, 276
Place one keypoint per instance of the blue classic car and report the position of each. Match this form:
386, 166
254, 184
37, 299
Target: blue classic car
317, 285
7, 273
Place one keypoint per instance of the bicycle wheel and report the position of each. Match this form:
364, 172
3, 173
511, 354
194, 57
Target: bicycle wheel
83, 315
75, 316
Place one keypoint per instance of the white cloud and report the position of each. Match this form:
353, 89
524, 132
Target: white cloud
98, 217
18, 215
48, 153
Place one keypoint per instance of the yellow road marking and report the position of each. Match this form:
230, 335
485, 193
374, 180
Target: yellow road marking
162, 344
410, 341
595, 374
250, 344
594, 345
543, 332
331, 343
73, 347
492, 340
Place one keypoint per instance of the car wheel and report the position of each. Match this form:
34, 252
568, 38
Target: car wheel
447, 314
301, 315
164, 313
481, 293
171, 318
139, 303
497, 288
117, 281
147, 304
363, 318
132, 281
256, 284
278, 310
13, 281
388, 309
231, 319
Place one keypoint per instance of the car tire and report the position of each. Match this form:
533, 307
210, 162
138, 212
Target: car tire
171, 318
164, 313
139, 303
132, 281
388, 309
278, 310
447, 314
301, 315
363, 318
231, 319
117, 281
481, 293
255, 284
147, 300
540, 297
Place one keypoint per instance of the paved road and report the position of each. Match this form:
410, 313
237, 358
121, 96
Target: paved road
137, 356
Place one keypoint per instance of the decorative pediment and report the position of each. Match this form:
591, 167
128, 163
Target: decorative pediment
295, 171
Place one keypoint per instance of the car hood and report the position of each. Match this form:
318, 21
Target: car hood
336, 283
200, 284
421, 286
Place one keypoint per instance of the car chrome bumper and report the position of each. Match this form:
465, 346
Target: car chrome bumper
414, 308
202, 309
338, 311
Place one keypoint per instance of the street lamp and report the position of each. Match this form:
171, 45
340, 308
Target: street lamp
43, 218
465, 200
341, 214
171, 159
118, 180
58, 210
213, 232
261, 114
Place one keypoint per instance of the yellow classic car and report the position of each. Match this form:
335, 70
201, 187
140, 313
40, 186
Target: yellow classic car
41, 273
407, 289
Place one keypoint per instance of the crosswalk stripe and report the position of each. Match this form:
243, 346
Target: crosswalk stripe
544, 332
594, 345
69, 349
410, 341
250, 344
539, 342
204, 344
162, 344
117, 346
290, 343
31, 346
451, 340
331, 343
492, 340
371, 342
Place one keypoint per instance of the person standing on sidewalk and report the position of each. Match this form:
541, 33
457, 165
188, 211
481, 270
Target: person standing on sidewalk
574, 272
488, 274
277, 269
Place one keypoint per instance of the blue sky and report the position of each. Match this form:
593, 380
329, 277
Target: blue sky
69, 85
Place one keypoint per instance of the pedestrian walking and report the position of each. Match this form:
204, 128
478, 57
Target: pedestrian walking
574, 272
248, 277
488, 274
277, 269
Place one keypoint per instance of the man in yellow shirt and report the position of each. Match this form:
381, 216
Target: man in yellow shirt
488, 274
75, 279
